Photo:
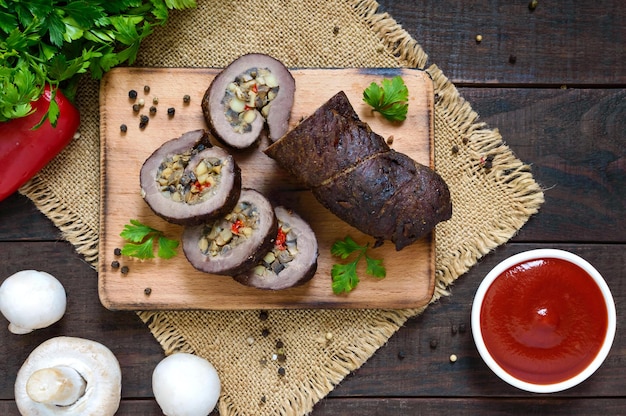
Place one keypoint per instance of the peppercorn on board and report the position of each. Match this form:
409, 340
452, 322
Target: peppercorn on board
173, 284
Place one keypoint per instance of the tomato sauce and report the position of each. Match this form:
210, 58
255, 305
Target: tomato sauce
544, 320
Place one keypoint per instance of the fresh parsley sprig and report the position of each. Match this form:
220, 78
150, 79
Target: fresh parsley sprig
141, 240
344, 276
55, 41
390, 98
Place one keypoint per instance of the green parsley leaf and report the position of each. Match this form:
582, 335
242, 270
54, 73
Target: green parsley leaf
390, 98
141, 239
344, 276
143, 251
167, 248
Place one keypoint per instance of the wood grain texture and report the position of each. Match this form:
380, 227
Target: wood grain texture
559, 43
174, 283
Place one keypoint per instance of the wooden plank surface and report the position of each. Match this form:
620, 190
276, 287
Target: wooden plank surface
174, 283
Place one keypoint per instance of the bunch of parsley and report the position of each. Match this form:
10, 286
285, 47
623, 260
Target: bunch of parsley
52, 41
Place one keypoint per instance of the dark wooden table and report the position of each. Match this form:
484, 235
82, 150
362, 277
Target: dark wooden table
560, 104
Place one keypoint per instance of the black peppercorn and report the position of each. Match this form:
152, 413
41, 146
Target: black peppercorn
512, 59
147, 291
123, 128
455, 149
433, 343
279, 344
132, 94
115, 264
117, 251
401, 355
465, 140
171, 111
263, 315
281, 358
124, 270
281, 371
186, 99
146, 89
136, 108
153, 110
143, 121
335, 30
265, 332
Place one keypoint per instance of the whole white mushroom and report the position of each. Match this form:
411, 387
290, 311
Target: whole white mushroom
31, 300
185, 385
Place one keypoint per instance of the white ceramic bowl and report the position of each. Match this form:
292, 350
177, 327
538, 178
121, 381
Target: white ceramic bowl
528, 256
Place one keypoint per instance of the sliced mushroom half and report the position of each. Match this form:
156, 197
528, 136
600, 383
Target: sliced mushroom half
292, 260
235, 242
69, 376
254, 90
188, 181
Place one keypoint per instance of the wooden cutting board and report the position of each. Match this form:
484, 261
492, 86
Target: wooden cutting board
174, 284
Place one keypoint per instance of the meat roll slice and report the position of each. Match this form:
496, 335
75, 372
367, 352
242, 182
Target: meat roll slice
327, 142
188, 181
292, 261
235, 242
252, 90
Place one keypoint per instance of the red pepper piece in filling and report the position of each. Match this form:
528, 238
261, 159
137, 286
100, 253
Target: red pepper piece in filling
24, 151
236, 226
281, 239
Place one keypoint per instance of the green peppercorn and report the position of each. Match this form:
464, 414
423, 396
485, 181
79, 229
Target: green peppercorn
533, 5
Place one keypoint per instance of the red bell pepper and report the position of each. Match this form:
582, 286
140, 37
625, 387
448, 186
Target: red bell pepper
24, 150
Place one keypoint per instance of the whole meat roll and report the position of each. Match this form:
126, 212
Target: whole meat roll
235, 242
355, 175
188, 181
292, 260
329, 141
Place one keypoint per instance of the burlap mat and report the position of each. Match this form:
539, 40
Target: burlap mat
320, 347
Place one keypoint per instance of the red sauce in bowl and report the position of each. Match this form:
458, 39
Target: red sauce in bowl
544, 320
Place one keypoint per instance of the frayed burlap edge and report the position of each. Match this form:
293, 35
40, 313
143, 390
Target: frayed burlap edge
457, 113
73, 229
